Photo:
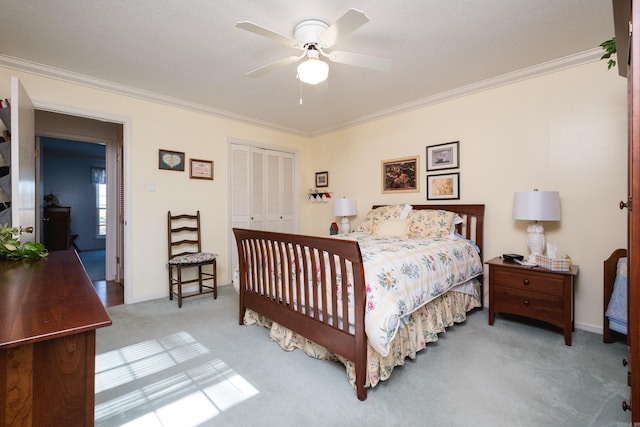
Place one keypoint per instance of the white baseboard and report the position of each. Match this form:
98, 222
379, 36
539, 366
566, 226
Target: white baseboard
589, 328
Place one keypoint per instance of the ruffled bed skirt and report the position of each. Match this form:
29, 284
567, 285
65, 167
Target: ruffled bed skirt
421, 327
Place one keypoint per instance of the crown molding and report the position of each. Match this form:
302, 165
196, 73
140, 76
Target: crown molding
145, 95
570, 61
494, 82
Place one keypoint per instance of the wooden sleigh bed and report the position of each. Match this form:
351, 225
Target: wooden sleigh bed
311, 300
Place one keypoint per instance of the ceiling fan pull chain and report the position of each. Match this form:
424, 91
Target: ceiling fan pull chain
300, 83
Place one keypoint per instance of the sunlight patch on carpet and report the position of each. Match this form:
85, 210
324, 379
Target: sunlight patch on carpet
167, 394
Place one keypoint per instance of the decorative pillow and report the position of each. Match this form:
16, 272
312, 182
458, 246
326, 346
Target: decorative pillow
393, 228
376, 215
429, 223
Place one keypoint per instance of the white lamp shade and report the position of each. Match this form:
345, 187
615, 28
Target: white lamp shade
313, 71
536, 205
344, 207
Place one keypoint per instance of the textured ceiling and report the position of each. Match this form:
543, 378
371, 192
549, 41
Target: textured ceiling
191, 53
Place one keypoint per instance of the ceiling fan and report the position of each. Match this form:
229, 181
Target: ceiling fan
313, 37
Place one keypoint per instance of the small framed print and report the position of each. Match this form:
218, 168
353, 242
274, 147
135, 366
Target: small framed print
322, 179
171, 160
400, 175
444, 186
201, 169
443, 156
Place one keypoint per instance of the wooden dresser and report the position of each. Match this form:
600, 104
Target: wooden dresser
532, 292
57, 228
49, 313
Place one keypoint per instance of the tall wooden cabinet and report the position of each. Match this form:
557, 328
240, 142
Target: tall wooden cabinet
627, 16
57, 228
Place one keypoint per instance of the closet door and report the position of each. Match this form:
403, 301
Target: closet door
280, 191
240, 187
287, 202
262, 191
273, 189
257, 191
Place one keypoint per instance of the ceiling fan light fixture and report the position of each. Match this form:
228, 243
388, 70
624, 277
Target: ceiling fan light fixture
313, 71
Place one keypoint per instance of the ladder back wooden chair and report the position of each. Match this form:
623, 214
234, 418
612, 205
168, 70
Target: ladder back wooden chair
185, 252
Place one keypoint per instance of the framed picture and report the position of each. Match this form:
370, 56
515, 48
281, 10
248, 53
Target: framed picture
322, 179
201, 169
443, 156
171, 160
444, 186
400, 175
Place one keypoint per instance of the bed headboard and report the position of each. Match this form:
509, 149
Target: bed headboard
472, 215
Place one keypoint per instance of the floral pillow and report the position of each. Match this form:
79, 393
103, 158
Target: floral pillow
382, 213
430, 223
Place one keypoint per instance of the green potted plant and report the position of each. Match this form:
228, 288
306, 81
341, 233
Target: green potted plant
51, 200
610, 52
10, 247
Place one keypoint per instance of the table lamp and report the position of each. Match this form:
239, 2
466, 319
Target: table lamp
536, 206
345, 208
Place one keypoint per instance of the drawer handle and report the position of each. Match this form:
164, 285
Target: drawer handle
526, 303
624, 362
625, 406
525, 282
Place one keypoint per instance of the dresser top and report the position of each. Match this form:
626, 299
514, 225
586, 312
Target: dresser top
47, 298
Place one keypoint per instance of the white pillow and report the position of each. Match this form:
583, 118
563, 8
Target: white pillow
393, 228
405, 211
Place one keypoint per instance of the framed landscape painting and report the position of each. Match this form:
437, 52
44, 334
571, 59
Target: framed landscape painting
400, 175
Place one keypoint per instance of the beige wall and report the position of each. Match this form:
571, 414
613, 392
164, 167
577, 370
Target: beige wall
148, 127
564, 131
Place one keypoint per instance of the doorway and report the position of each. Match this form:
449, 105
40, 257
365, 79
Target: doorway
81, 165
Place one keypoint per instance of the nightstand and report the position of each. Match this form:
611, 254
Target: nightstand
532, 292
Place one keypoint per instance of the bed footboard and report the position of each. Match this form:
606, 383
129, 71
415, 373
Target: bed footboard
297, 281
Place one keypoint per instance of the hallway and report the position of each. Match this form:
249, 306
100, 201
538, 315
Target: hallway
110, 293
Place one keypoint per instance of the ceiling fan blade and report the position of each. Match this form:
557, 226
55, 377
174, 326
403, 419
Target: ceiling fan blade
265, 32
346, 24
365, 61
271, 66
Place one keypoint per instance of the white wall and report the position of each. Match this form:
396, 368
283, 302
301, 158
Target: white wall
564, 131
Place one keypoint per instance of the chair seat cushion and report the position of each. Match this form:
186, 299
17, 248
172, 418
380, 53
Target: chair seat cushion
196, 258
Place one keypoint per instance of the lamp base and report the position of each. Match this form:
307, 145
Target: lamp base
344, 225
535, 240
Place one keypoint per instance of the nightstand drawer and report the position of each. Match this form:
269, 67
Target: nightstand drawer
524, 280
530, 304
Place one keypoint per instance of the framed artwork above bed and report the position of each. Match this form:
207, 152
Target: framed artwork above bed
444, 186
443, 156
400, 175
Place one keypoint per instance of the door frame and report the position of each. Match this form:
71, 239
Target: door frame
117, 244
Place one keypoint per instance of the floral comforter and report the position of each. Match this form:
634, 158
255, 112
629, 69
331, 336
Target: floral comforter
402, 275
